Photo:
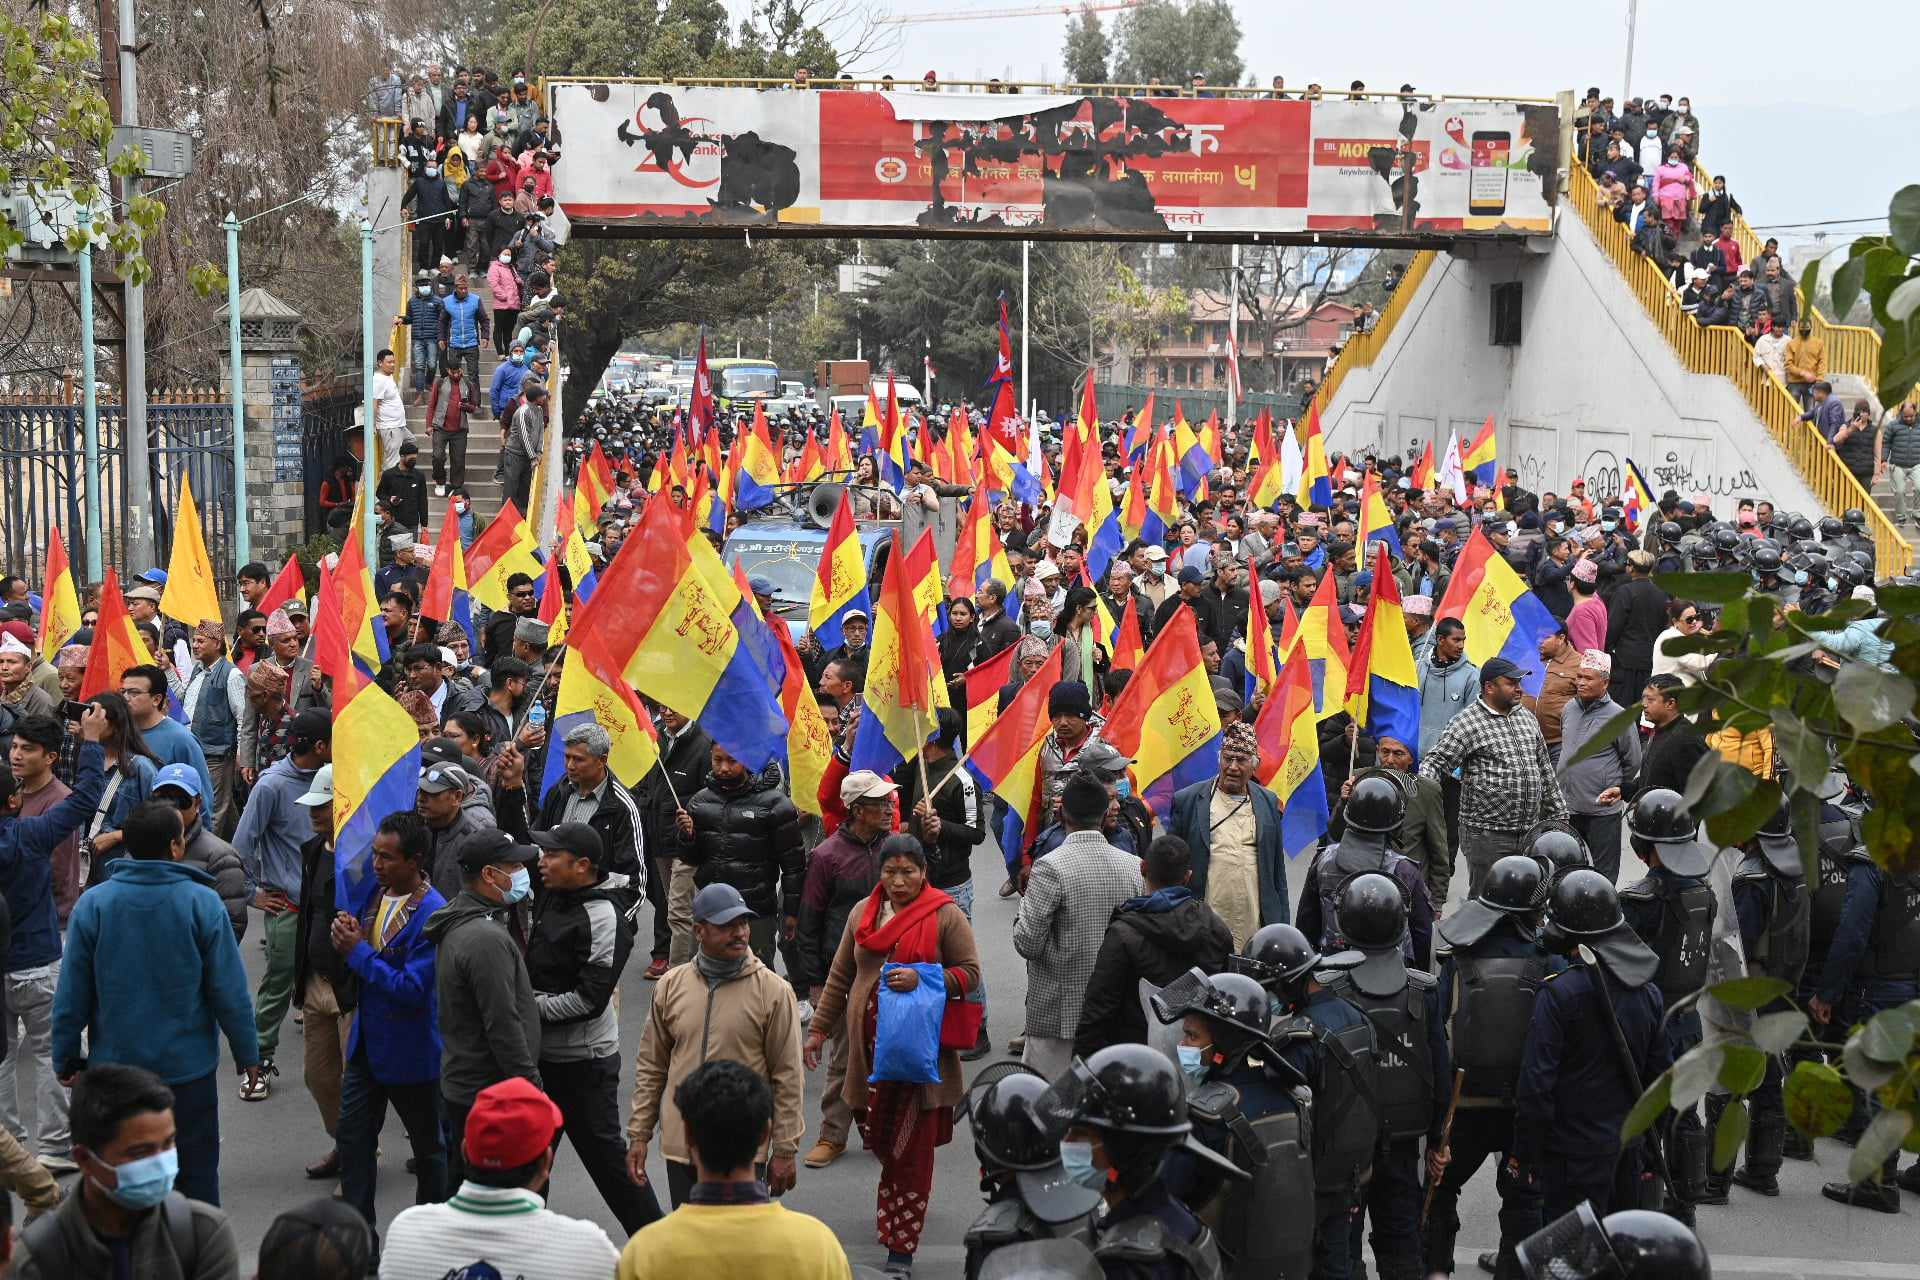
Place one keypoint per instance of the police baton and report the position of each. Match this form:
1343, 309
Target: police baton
1446, 1136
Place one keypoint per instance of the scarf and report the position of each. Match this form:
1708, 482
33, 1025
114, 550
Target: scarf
912, 936
717, 971
1085, 659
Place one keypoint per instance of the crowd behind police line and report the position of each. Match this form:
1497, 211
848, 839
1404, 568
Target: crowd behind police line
205, 782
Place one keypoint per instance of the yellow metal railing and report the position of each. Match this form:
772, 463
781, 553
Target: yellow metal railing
1722, 350
1851, 348
1360, 349
387, 132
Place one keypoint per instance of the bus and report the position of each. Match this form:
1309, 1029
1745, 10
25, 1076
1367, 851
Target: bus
738, 383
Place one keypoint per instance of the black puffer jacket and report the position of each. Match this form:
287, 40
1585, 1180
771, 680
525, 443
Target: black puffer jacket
1157, 937
682, 771
748, 836
950, 858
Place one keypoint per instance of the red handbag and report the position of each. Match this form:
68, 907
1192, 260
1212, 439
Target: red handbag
960, 1024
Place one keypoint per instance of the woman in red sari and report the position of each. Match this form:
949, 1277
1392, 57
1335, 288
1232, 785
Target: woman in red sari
907, 921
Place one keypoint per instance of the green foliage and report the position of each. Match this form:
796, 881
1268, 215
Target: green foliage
1884, 269
1172, 39
54, 134
1087, 49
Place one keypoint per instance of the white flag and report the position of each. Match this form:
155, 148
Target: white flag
1292, 462
1452, 474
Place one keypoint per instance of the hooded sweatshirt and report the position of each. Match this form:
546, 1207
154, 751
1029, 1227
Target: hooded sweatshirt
273, 828
489, 1022
1446, 689
1157, 936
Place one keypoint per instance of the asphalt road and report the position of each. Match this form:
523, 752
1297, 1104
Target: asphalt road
267, 1144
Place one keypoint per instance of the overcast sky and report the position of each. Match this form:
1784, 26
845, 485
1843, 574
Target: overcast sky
1808, 108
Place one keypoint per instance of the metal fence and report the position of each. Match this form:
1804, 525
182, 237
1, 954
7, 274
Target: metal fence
326, 427
42, 470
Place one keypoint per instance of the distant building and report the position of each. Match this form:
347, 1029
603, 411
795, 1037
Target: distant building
1192, 354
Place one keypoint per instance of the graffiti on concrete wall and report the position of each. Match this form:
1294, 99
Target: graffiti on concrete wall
1690, 467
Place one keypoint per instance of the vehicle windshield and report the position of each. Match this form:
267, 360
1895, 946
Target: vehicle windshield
791, 566
749, 381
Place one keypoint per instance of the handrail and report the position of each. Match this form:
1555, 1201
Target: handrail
401, 347
1723, 350
1360, 350
1851, 348
387, 132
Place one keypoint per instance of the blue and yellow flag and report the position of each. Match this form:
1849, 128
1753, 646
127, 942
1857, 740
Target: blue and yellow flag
1480, 463
1167, 721
1502, 617
1383, 686
1376, 522
840, 586
758, 466
1316, 484
592, 692
898, 702
1290, 758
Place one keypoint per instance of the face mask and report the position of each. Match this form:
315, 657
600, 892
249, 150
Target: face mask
1833, 584
424, 290
1041, 630
433, 171
521, 887
519, 357
1608, 526
1799, 577
460, 508
1076, 1159
506, 257
145, 1182
1193, 1063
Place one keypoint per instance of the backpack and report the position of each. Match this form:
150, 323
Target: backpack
48, 1244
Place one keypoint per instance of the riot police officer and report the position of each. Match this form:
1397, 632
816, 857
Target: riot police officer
1770, 897
1593, 1044
1558, 848
1673, 911
1857, 537
1119, 1114
1373, 812
1872, 964
1028, 1194
1490, 973
1414, 1070
1842, 858
1669, 559
1249, 1101
1342, 1072
1630, 1245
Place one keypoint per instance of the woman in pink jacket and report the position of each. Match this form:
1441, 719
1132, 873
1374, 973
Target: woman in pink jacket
1674, 191
504, 285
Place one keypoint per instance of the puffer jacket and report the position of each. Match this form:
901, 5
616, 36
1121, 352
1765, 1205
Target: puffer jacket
682, 771
1155, 937
962, 828
575, 953
840, 876
748, 836
222, 861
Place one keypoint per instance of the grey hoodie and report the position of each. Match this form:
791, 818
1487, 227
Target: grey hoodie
489, 1022
274, 826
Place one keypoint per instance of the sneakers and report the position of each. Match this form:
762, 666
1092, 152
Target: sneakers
257, 1091
1864, 1195
824, 1153
656, 970
805, 1010
439, 491
58, 1164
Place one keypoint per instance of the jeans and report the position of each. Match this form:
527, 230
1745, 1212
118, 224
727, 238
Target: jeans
271, 1001
324, 1034
424, 359
30, 1000
363, 1111
469, 359
1601, 831
962, 895
587, 1094
1481, 849
1906, 489
196, 1128
450, 458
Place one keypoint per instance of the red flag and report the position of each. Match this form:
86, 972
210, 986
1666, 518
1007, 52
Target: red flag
1128, 647
290, 585
918, 664
116, 645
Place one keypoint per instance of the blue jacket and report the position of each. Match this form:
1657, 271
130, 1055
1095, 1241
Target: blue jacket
1851, 937
1191, 823
506, 385
153, 975
1828, 417
273, 828
26, 863
462, 322
173, 743
1573, 1092
399, 1014
136, 787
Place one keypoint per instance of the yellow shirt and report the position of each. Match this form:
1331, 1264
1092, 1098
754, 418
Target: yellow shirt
734, 1242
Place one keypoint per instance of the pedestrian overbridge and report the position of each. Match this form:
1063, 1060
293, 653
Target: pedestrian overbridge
857, 158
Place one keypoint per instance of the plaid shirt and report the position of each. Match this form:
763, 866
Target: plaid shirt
1507, 781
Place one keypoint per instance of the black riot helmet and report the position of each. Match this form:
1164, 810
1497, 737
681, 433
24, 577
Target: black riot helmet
1376, 806
1511, 884
1124, 1088
1670, 533
1855, 519
1007, 1132
1845, 574
1277, 953
1725, 539
1634, 1244
1800, 529
1558, 850
1659, 815
1225, 999
1584, 905
1766, 560
1372, 913
1831, 527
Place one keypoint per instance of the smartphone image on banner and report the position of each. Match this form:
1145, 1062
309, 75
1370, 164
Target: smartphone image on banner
1487, 173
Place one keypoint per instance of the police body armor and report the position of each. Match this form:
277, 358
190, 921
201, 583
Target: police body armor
1684, 940
1357, 854
1841, 846
1143, 1241
1893, 949
1404, 1076
1493, 1007
1263, 1222
1346, 1117
1055, 1259
1781, 951
1009, 1222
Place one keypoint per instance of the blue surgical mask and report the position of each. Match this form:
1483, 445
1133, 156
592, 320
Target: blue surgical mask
1041, 630
519, 357
145, 1182
521, 887
1076, 1158
1608, 526
1193, 1063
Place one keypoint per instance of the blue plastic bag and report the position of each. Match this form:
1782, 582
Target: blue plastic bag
906, 1035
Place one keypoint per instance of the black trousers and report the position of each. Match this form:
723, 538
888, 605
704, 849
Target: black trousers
587, 1094
450, 458
363, 1112
1601, 831
456, 1143
1610, 1180
1392, 1200
1333, 1218
1479, 1132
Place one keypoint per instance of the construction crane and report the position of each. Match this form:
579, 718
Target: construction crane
1035, 11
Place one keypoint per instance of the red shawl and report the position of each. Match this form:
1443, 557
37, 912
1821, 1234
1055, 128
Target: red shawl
912, 936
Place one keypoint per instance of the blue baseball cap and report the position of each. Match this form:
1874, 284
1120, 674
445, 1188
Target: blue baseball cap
156, 576
181, 776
